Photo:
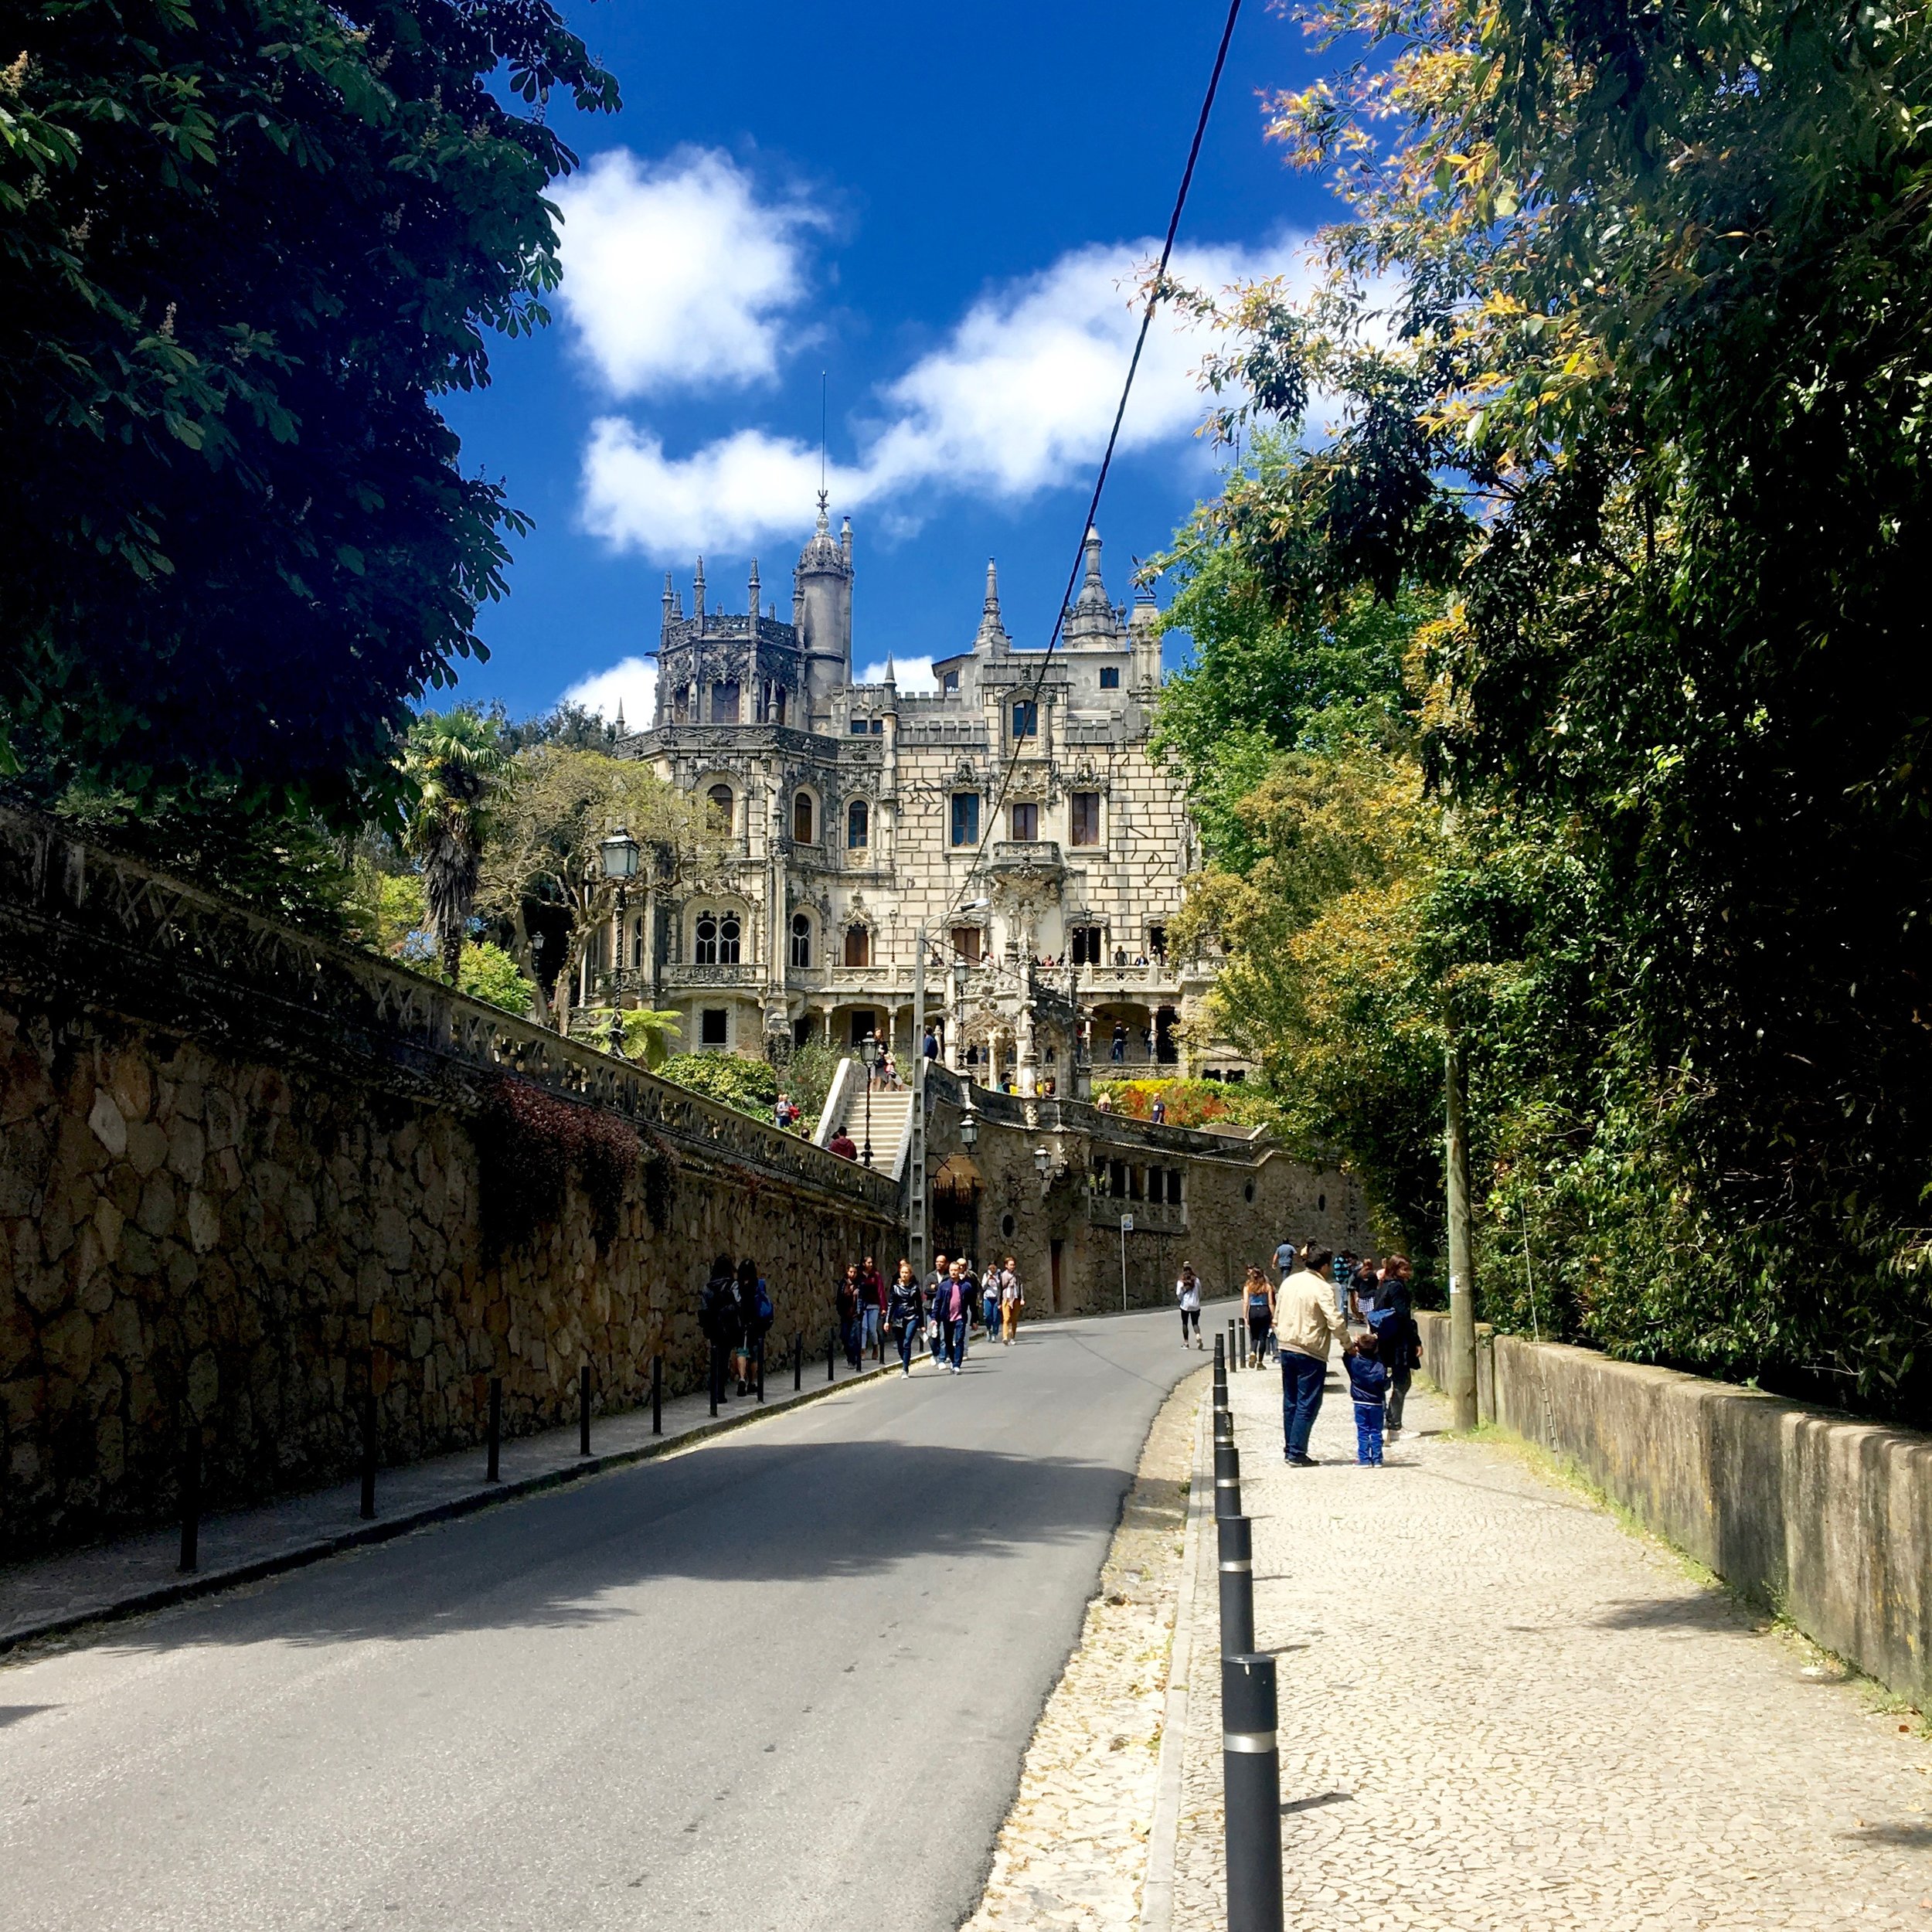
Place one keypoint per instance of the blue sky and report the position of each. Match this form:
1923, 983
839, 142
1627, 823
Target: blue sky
939, 208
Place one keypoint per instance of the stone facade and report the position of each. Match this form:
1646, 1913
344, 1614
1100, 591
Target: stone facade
1015, 814
240, 1183
1219, 1201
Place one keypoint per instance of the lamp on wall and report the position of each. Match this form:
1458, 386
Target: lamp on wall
969, 1124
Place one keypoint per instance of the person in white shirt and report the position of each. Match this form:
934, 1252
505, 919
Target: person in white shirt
1187, 1291
1306, 1323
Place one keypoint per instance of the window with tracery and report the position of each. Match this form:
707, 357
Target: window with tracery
800, 940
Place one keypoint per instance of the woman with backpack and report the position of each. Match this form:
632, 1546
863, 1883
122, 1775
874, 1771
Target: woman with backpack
754, 1322
1258, 1303
718, 1319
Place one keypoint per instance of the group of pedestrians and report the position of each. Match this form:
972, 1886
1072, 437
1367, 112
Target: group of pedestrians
1365, 1309
735, 1315
943, 1310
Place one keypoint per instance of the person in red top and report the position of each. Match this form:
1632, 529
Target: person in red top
840, 1144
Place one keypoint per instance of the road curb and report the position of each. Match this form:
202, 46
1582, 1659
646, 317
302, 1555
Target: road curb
210, 1583
1164, 1832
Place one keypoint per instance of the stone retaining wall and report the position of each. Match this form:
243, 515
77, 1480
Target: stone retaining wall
240, 1183
1825, 1520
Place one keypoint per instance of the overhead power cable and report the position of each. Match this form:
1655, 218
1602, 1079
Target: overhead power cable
1155, 295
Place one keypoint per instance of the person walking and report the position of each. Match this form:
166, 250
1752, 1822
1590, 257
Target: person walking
1365, 1293
850, 1298
955, 1310
1012, 1298
935, 1330
1398, 1346
1307, 1322
1187, 1291
905, 1309
755, 1315
1258, 1302
989, 1301
718, 1319
871, 1286
1119, 1053
1368, 1384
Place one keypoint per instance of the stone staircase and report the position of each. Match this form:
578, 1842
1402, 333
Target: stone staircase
891, 1121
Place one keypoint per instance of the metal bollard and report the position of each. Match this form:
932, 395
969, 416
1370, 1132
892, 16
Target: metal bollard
831, 1348
490, 1473
584, 1411
1236, 1535
715, 1374
1227, 1481
369, 1455
797, 1360
657, 1394
191, 1503
1251, 1788
759, 1355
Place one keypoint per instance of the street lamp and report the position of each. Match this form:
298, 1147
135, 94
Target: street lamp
619, 853
868, 1052
916, 1146
969, 1124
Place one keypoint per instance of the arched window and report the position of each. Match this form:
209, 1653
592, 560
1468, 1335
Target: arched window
722, 808
858, 824
706, 954
858, 946
727, 940
800, 940
801, 826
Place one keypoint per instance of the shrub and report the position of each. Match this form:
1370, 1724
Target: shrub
749, 1085
489, 974
1189, 1102
528, 1139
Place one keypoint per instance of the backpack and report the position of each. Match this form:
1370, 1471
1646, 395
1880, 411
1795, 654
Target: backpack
717, 1307
766, 1313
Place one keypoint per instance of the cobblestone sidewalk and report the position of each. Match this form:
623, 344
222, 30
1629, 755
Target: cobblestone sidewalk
1499, 1709
1073, 1852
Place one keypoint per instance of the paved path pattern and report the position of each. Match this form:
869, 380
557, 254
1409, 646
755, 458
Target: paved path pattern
1500, 1709
1074, 1849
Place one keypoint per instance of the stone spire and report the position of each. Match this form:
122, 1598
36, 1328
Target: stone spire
991, 636
754, 592
1092, 618
892, 679
697, 595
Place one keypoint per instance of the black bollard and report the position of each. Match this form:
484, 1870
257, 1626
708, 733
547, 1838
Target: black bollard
797, 1360
1227, 1480
191, 1503
584, 1411
1251, 1788
831, 1348
369, 1455
1236, 1535
758, 1356
492, 1471
657, 1394
714, 1375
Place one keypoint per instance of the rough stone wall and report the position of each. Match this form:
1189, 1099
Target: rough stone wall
200, 1241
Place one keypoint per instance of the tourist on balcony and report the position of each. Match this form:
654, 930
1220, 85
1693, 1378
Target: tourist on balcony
905, 1309
1120, 1041
1157, 1113
1187, 1291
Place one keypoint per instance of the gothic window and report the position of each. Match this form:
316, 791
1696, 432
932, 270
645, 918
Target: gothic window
1025, 718
858, 946
966, 943
800, 940
858, 825
782, 696
1110, 677
801, 818
860, 728
724, 704
722, 808
727, 936
706, 954
965, 818
1085, 817
1086, 945
681, 704
1025, 824
1157, 941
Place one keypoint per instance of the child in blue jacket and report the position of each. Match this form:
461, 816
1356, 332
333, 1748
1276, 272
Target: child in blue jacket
1368, 1384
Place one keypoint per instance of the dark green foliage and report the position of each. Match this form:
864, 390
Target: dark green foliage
529, 1141
245, 243
749, 1085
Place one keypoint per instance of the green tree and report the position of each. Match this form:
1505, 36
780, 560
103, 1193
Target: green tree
648, 1034
247, 244
488, 973
454, 765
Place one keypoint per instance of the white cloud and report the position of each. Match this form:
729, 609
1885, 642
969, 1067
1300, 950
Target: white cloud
677, 275
910, 674
1017, 398
631, 687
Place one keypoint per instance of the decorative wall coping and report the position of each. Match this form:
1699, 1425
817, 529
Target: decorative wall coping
80, 922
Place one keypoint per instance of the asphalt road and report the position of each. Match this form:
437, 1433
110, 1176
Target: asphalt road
782, 1681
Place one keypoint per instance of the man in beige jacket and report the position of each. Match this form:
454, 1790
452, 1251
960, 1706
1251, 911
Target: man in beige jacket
1306, 1320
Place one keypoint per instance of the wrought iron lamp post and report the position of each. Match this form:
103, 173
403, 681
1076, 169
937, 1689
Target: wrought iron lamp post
620, 854
868, 1052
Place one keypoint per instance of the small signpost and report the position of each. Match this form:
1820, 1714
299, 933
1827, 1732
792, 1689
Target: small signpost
1127, 1228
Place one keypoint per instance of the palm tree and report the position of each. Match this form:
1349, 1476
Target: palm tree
454, 762
649, 1035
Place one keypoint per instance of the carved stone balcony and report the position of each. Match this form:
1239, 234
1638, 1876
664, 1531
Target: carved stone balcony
1025, 859
678, 974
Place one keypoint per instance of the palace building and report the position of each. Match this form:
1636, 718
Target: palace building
1013, 816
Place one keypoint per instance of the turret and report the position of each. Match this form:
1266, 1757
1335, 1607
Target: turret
1143, 634
992, 636
824, 603
1091, 619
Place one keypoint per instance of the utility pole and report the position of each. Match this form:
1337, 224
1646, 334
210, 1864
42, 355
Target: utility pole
1462, 1283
